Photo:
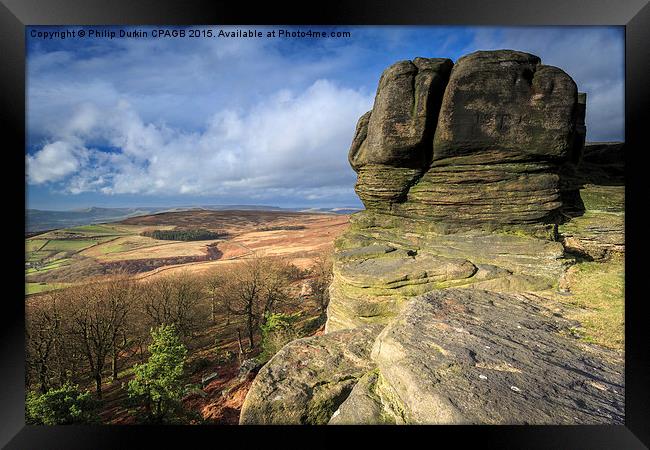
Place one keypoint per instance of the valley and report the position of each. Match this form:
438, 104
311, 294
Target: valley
64, 257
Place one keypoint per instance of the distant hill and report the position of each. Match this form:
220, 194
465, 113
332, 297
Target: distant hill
329, 210
39, 220
42, 220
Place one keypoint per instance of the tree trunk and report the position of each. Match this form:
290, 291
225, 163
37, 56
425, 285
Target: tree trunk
98, 385
213, 313
250, 332
241, 347
43, 379
114, 364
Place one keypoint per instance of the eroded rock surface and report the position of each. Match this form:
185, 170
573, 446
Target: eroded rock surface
460, 356
489, 158
377, 268
392, 143
596, 229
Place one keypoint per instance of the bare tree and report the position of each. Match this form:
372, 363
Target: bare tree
100, 313
214, 283
255, 287
53, 354
321, 278
41, 332
174, 300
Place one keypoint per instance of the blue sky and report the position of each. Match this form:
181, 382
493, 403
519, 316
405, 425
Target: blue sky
191, 121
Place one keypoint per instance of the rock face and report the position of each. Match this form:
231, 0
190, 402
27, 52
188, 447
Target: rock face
472, 199
392, 143
475, 207
596, 230
453, 356
376, 269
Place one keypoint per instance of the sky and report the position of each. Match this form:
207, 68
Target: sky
164, 121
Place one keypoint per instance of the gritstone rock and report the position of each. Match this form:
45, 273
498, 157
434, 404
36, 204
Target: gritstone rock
476, 204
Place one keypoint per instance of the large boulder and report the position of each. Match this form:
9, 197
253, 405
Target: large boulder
377, 269
490, 157
484, 184
506, 106
453, 356
307, 380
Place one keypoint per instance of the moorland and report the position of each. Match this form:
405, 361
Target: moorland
82, 278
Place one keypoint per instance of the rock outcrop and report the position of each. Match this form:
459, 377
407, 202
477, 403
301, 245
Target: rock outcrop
596, 229
470, 176
506, 126
391, 148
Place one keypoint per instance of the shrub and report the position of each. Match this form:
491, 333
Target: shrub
158, 382
61, 406
278, 330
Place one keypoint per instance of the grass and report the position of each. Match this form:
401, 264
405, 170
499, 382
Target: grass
598, 301
49, 254
53, 265
603, 198
32, 245
39, 255
63, 246
69, 244
123, 246
96, 230
36, 288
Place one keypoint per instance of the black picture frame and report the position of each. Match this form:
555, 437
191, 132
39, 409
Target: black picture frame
15, 15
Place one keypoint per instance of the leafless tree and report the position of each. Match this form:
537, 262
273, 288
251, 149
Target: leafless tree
321, 278
255, 287
174, 300
100, 319
214, 283
42, 330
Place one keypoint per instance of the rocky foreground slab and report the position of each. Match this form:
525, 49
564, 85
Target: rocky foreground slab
455, 356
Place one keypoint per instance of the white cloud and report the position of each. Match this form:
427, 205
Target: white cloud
288, 142
262, 119
54, 162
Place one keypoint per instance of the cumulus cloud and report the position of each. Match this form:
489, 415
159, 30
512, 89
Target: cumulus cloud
54, 162
288, 142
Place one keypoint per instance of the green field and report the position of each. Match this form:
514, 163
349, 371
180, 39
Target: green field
38, 255
53, 265
35, 288
32, 245
54, 250
97, 230
68, 245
